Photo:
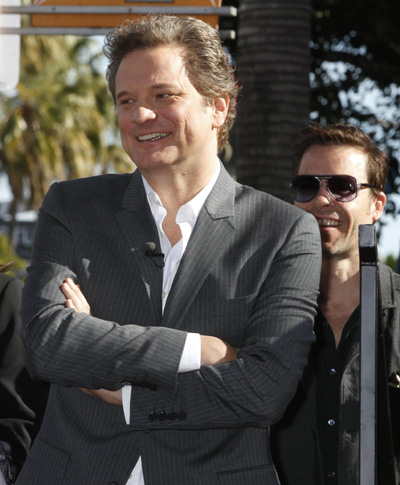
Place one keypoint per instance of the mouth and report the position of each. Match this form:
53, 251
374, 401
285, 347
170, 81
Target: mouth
329, 223
153, 136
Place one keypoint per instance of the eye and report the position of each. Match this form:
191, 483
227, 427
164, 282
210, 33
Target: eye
165, 96
126, 101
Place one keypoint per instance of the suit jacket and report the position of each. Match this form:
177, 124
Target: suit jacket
21, 399
249, 275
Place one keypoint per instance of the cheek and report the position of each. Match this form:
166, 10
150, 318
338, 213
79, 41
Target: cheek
124, 133
122, 126
123, 121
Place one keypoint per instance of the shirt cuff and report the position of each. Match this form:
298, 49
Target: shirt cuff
126, 403
190, 360
191, 355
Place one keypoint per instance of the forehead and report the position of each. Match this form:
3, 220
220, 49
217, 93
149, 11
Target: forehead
328, 160
152, 63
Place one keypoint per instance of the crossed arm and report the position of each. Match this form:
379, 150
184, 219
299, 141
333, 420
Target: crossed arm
268, 311
213, 350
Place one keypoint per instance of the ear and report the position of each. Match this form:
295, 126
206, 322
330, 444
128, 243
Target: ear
378, 205
220, 108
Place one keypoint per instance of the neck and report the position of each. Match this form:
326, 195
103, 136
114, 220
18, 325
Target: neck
177, 186
338, 274
339, 292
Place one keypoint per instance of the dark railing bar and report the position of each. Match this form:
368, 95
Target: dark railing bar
227, 11
83, 31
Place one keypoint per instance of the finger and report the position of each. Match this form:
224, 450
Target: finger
88, 391
69, 304
65, 288
69, 290
75, 291
71, 299
78, 301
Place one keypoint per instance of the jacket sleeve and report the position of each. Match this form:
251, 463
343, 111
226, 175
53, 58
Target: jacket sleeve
255, 388
79, 350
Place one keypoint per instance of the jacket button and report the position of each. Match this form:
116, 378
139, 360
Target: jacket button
153, 387
113, 483
181, 415
171, 416
162, 416
153, 416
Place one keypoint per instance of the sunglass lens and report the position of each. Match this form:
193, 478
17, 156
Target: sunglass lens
343, 188
304, 188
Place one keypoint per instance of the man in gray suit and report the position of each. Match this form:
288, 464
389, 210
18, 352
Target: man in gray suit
229, 268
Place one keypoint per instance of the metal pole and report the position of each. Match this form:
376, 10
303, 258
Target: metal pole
108, 10
368, 355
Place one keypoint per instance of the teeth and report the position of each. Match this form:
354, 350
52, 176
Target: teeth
329, 223
152, 136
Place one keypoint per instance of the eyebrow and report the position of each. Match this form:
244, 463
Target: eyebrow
121, 94
153, 86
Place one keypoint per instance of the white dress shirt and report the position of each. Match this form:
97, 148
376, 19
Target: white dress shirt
186, 219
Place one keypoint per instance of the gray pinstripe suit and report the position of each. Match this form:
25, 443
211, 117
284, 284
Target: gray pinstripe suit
249, 275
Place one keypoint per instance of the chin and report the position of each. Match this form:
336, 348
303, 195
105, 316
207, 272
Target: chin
331, 252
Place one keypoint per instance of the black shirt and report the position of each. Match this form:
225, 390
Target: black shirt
330, 362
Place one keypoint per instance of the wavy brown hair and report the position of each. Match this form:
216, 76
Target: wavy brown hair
206, 62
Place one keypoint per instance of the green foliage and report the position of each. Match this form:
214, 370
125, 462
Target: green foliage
60, 123
355, 75
8, 255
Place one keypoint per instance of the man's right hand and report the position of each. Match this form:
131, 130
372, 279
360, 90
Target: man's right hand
110, 397
215, 351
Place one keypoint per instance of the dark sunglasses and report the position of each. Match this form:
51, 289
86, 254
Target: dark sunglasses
342, 188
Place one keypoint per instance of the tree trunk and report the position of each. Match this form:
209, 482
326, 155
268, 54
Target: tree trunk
273, 69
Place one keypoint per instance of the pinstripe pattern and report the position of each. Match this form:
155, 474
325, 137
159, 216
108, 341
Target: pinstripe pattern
249, 276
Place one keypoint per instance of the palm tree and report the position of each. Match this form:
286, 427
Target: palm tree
60, 124
273, 69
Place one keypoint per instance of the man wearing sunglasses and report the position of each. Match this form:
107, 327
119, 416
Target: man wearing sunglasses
339, 177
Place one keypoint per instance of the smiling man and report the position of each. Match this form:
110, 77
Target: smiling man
339, 178
179, 267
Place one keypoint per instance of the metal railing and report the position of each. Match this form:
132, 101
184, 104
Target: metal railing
226, 11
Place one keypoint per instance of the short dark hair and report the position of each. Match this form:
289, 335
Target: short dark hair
206, 61
340, 134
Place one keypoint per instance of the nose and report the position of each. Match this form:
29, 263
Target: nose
142, 114
324, 197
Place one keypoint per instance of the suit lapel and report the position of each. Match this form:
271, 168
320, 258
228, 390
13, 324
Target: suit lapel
137, 225
210, 236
